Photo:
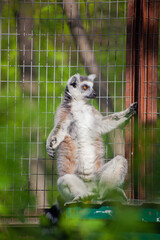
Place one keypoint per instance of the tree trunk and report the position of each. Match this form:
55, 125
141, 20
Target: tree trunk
26, 48
29, 87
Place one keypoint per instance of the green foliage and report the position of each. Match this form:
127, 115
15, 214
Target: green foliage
14, 148
124, 225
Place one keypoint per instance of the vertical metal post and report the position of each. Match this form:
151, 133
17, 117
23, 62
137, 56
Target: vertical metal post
141, 82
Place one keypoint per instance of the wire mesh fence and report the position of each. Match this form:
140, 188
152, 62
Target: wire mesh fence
43, 43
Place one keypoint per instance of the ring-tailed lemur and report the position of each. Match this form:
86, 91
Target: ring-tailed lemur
77, 137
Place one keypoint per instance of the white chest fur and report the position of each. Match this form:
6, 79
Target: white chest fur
83, 116
85, 127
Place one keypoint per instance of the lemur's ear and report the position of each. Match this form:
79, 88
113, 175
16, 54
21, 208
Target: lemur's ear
73, 82
92, 77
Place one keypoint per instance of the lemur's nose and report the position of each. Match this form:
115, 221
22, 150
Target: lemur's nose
94, 94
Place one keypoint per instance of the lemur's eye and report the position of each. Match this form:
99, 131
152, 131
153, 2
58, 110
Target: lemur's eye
85, 87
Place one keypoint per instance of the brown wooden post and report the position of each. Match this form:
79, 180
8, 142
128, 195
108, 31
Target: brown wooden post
151, 96
141, 84
130, 90
153, 34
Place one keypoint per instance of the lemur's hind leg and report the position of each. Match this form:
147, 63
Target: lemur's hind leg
112, 175
71, 187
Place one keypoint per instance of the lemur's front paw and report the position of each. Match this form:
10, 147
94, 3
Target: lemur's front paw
53, 142
133, 108
50, 151
51, 146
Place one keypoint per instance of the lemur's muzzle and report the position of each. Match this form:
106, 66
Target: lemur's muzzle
92, 95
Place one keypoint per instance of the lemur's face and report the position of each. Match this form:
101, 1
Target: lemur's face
81, 87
